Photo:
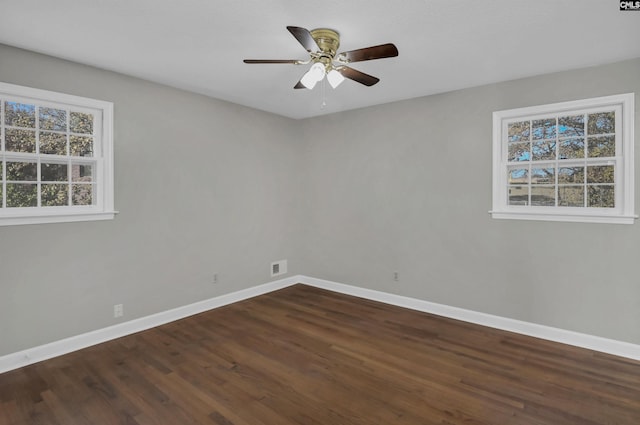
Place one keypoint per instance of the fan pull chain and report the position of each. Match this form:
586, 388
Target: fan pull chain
324, 94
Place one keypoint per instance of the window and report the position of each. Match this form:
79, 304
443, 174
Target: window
56, 157
570, 161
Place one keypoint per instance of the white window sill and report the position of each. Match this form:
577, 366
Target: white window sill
579, 218
56, 218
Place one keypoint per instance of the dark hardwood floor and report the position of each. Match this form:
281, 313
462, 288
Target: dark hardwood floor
312, 357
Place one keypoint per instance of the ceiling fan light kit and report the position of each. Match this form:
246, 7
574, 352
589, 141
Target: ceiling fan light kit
322, 45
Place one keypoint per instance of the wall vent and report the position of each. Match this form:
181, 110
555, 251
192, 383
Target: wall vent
278, 268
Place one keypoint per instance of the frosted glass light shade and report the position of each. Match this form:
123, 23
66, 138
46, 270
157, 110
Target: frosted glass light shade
335, 78
313, 75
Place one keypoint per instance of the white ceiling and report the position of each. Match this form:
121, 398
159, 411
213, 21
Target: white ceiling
444, 45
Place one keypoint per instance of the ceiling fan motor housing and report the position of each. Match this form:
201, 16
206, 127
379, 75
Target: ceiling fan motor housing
328, 40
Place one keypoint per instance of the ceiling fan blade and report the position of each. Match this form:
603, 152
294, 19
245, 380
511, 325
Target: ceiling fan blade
304, 37
293, 61
388, 50
355, 75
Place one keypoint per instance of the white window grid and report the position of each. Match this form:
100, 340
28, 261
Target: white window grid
100, 161
622, 162
557, 163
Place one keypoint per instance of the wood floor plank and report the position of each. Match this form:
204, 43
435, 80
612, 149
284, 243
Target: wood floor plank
306, 356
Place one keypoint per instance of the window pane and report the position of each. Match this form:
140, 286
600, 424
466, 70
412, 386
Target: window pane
55, 195
82, 194
602, 146
544, 196
519, 131
601, 123
600, 174
518, 176
81, 145
543, 176
53, 119
544, 129
22, 195
542, 150
20, 140
601, 196
519, 152
518, 195
20, 115
81, 173
22, 171
81, 123
571, 148
571, 126
53, 143
54, 172
571, 196
571, 175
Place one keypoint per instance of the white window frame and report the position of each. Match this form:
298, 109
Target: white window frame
103, 206
622, 213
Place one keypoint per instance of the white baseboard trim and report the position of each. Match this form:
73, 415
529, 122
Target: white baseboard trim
57, 348
610, 346
67, 345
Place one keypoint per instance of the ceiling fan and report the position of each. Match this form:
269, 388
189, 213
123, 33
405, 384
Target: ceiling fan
322, 45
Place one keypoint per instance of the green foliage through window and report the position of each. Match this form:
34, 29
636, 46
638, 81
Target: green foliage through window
46, 156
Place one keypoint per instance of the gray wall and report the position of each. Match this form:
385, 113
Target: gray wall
407, 186
205, 186
202, 186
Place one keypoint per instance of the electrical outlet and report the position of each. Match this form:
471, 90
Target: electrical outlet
278, 268
215, 278
118, 310
396, 277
